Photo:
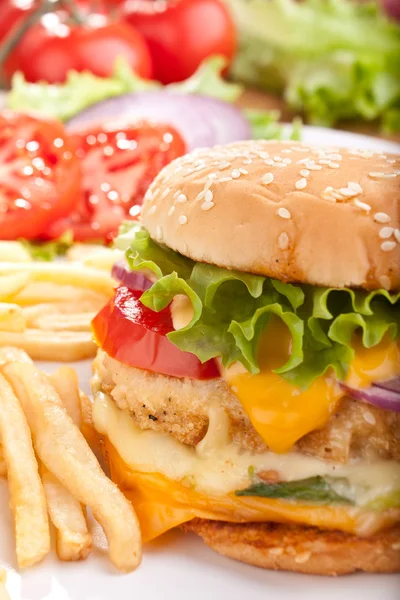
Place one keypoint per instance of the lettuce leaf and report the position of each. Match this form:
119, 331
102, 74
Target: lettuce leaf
64, 100
48, 251
332, 59
313, 489
232, 310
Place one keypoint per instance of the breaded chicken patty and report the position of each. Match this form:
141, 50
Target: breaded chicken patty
180, 407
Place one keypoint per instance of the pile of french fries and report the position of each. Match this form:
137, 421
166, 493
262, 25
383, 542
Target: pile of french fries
46, 308
52, 473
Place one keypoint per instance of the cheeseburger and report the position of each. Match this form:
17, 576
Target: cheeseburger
247, 385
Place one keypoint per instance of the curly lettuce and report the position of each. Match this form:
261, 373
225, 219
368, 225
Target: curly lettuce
332, 59
232, 309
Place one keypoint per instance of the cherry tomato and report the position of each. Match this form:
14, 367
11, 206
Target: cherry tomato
181, 34
118, 165
40, 175
11, 11
53, 47
135, 335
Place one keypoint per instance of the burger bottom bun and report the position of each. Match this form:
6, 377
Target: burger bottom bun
301, 549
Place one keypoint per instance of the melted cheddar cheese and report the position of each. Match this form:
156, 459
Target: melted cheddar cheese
282, 413
162, 504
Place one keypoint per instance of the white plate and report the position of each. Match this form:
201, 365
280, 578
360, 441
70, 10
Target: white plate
181, 566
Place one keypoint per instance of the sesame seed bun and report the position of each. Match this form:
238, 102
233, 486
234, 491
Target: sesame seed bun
300, 548
324, 216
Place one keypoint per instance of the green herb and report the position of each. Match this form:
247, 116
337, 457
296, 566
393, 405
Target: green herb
385, 502
48, 251
232, 309
314, 489
331, 59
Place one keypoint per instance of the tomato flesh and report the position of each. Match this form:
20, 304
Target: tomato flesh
118, 164
136, 336
40, 175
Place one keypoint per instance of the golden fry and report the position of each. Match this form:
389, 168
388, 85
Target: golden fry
58, 322
38, 292
12, 354
12, 317
73, 541
65, 452
12, 283
3, 468
63, 346
14, 252
27, 498
62, 273
103, 259
65, 382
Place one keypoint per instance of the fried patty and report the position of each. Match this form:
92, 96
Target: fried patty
300, 548
180, 407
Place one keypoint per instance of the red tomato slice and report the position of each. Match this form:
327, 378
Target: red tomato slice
136, 336
40, 175
118, 165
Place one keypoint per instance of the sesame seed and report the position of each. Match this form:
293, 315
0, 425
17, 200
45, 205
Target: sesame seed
301, 183
247, 161
171, 211
376, 174
287, 150
277, 158
313, 167
381, 217
280, 165
347, 192
182, 198
335, 156
235, 173
263, 154
284, 213
333, 165
208, 196
302, 557
208, 183
304, 172
207, 205
182, 220
386, 232
369, 418
267, 178
165, 193
385, 282
224, 179
243, 171
388, 246
362, 205
177, 193
283, 241
159, 232
303, 161
324, 162
355, 186
200, 195
397, 234
391, 161
152, 209
390, 175
269, 162
224, 165
287, 161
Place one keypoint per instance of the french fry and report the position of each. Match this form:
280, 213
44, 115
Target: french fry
104, 258
65, 382
3, 468
63, 346
78, 252
65, 452
3, 590
59, 322
14, 252
12, 354
11, 283
12, 317
62, 273
27, 498
73, 540
36, 311
46, 292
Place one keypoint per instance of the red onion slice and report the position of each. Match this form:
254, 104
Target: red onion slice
132, 280
393, 385
202, 121
377, 396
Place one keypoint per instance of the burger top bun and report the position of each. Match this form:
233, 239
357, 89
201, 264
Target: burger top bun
317, 215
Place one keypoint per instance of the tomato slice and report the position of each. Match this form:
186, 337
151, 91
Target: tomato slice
118, 164
40, 175
136, 336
